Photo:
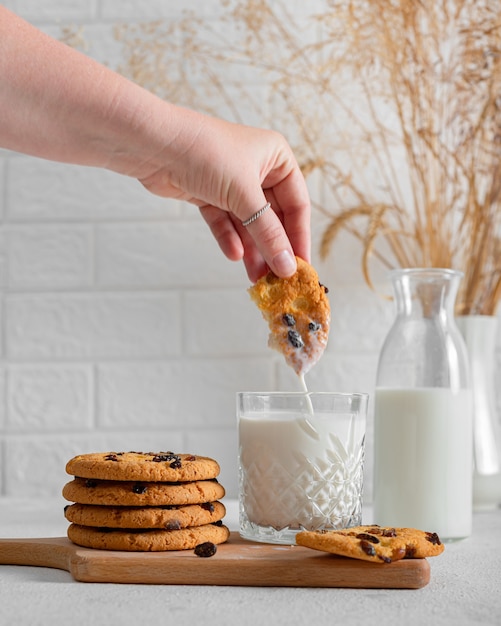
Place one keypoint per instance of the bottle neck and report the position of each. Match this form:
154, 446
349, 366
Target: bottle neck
424, 348
425, 293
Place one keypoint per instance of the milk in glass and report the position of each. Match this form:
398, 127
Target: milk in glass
300, 463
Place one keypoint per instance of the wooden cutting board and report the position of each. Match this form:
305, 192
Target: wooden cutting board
237, 562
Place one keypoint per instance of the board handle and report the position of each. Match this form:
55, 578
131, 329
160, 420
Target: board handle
48, 552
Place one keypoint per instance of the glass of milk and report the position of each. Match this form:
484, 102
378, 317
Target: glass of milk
301, 458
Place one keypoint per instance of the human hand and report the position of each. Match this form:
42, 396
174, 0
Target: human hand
231, 171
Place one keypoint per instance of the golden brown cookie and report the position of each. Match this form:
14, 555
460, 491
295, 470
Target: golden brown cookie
356, 545
141, 493
145, 466
298, 314
167, 517
147, 540
373, 543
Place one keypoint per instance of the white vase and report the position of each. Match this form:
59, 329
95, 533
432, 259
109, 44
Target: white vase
480, 335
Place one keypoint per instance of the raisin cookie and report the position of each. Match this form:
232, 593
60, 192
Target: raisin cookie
167, 518
298, 314
373, 543
141, 493
144, 466
147, 540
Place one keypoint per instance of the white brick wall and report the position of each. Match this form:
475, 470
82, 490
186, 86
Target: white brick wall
122, 326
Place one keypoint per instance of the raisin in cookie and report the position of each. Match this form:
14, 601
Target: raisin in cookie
166, 517
147, 466
298, 314
141, 493
373, 543
147, 540
419, 543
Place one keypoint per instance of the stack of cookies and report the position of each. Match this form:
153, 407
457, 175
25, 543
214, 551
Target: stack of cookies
139, 501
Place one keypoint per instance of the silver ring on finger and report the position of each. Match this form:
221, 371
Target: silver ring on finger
256, 215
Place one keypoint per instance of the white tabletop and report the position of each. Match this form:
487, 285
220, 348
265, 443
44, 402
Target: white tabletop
465, 588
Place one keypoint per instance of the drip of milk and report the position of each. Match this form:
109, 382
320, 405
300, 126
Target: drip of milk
307, 393
303, 383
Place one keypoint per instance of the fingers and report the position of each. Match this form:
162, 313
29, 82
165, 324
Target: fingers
234, 240
285, 232
292, 203
262, 245
270, 239
224, 231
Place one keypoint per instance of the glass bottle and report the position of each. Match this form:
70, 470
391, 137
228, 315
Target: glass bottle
423, 449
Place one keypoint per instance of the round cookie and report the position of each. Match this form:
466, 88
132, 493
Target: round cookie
139, 493
298, 314
170, 518
147, 540
144, 466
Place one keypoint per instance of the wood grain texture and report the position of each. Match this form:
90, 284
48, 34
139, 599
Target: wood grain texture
237, 562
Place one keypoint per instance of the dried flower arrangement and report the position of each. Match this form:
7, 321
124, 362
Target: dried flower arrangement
395, 104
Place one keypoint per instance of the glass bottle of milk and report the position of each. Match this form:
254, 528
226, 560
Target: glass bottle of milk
423, 411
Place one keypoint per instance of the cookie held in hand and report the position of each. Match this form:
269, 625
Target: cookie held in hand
298, 314
374, 543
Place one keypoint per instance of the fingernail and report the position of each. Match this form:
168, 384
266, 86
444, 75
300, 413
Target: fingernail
284, 264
